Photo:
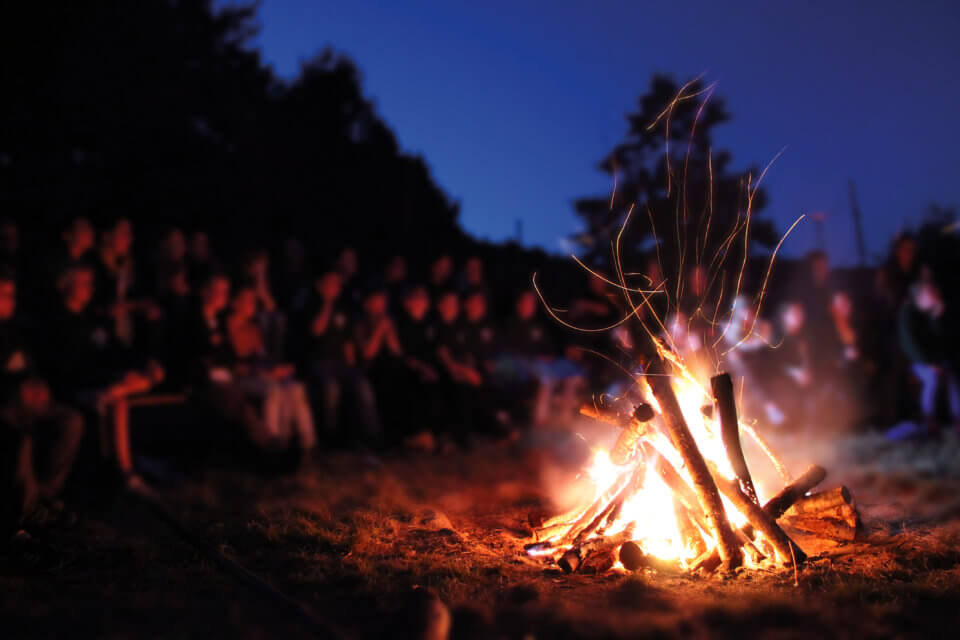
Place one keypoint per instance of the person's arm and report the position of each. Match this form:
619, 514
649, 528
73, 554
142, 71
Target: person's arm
370, 347
321, 321
391, 337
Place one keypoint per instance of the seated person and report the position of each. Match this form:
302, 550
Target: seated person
87, 366
41, 437
323, 337
379, 352
286, 409
529, 355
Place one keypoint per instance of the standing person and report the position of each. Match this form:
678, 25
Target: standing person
418, 336
41, 437
328, 357
926, 340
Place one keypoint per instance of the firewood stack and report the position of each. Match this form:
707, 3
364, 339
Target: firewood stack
586, 539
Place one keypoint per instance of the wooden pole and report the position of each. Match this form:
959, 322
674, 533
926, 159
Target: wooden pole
727, 544
722, 387
774, 507
787, 550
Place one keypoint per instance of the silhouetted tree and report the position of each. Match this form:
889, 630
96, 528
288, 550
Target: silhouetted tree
684, 192
161, 110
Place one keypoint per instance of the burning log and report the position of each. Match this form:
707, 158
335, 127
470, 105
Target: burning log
604, 517
703, 483
681, 490
633, 427
632, 556
775, 507
692, 538
599, 505
762, 521
722, 387
790, 494
823, 527
574, 557
822, 501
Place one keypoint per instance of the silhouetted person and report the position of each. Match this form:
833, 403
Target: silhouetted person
328, 357
88, 367
41, 436
441, 275
925, 335
286, 410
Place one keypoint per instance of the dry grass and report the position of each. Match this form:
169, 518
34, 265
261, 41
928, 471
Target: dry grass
352, 541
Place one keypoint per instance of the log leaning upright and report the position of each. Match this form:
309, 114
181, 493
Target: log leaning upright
682, 439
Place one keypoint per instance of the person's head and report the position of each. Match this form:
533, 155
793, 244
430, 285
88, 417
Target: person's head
215, 293
526, 305
175, 245
416, 302
841, 305
396, 270
79, 236
76, 286
178, 282
473, 269
793, 318
256, 265
119, 238
927, 296
905, 252
819, 266
199, 246
330, 284
9, 236
448, 307
375, 301
475, 305
441, 270
348, 263
8, 295
244, 304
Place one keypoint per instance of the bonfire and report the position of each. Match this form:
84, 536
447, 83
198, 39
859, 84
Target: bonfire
675, 490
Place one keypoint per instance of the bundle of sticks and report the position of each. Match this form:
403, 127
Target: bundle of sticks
578, 539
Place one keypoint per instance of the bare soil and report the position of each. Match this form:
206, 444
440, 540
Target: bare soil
353, 540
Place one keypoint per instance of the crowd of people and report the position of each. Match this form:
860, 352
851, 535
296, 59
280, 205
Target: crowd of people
280, 353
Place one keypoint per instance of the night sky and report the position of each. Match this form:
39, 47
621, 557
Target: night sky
513, 103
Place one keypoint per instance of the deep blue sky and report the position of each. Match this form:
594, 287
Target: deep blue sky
513, 103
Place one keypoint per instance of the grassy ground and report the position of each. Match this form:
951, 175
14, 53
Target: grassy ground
353, 540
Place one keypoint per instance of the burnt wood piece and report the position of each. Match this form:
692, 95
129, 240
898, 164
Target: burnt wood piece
682, 439
574, 557
815, 502
722, 387
774, 507
632, 556
822, 527
787, 550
